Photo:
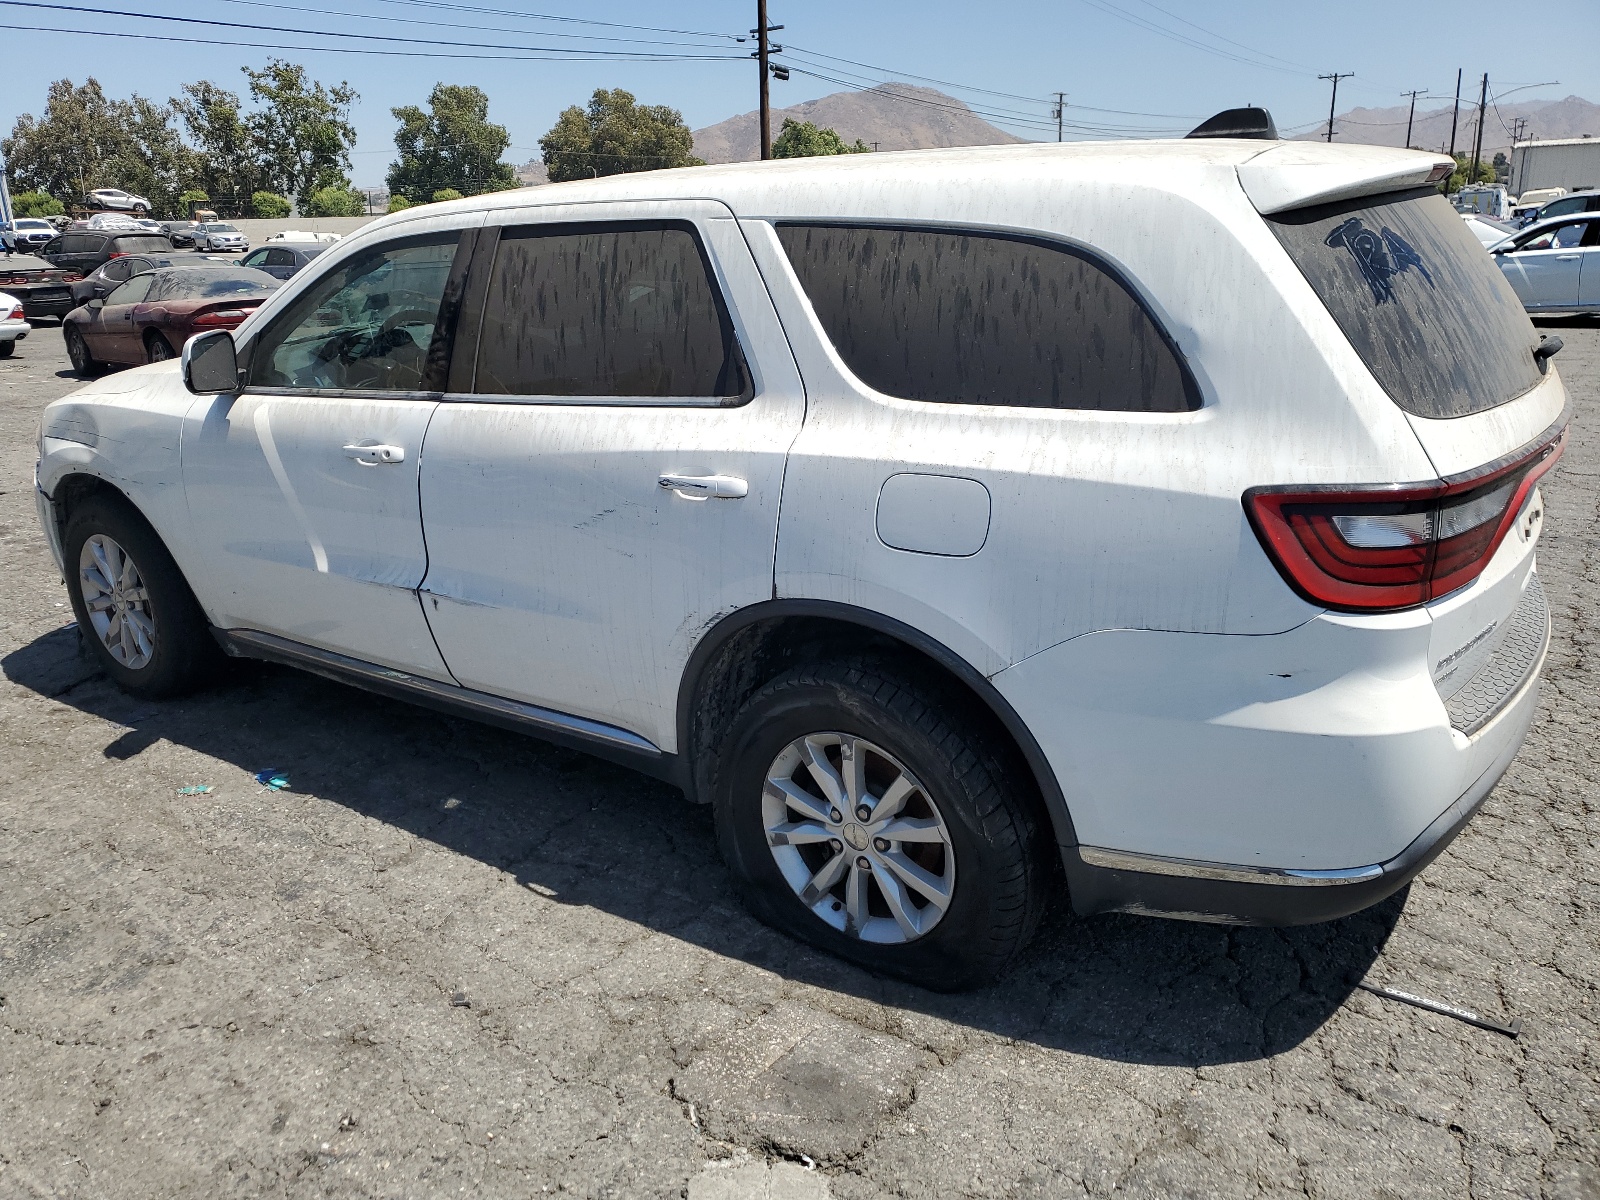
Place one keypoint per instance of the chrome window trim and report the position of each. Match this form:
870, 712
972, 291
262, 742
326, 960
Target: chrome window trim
340, 393
1185, 868
597, 401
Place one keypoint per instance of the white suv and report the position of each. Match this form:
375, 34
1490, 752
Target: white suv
1164, 510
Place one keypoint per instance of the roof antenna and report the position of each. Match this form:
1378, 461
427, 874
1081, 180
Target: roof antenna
1249, 122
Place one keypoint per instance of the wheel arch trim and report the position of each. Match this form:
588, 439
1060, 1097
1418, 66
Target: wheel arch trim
719, 634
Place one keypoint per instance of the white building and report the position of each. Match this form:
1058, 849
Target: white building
1571, 163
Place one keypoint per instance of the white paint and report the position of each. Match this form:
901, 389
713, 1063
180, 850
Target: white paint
933, 514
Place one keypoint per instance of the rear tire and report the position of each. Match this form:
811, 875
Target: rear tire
157, 349
136, 613
969, 825
8, 347
83, 362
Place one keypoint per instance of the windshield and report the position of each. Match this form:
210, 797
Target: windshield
1428, 311
189, 283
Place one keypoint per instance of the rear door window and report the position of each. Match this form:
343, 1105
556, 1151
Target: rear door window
146, 245
1428, 311
952, 317
618, 310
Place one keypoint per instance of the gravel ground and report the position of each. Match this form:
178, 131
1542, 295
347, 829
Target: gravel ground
451, 961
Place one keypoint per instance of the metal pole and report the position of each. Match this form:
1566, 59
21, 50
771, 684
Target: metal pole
1334, 100
1454, 113
1477, 142
1411, 116
761, 60
1061, 104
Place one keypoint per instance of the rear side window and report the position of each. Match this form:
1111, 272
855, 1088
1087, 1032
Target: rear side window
967, 318
1427, 310
623, 310
137, 245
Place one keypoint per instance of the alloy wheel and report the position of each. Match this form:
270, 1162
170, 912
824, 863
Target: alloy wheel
78, 352
117, 601
859, 840
157, 350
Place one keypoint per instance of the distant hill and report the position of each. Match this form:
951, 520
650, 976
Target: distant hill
1572, 117
898, 116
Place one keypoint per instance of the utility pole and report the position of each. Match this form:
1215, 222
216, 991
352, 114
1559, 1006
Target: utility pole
1455, 112
1411, 116
1332, 103
763, 55
1061, 106
1477, 142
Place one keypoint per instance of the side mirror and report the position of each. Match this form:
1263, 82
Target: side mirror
210, 363
97, 301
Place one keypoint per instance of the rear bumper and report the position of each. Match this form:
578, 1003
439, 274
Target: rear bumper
1271, 780
1115, 881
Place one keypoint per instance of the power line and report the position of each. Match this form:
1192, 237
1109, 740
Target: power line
529, 57
1110, 9
590, 37
559, 51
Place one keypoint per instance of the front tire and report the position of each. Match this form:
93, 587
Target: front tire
136, 613
83, 362
869, 812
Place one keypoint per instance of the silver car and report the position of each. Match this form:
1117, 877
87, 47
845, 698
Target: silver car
1554, 266
217, 235
118, 199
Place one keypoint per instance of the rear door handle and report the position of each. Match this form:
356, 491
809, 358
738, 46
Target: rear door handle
371, 456
706, 487
1566, 257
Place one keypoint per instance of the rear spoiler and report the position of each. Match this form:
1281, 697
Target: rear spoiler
1293, 175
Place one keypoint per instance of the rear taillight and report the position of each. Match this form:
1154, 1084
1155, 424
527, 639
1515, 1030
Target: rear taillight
115, 254
14, 315
1382, 548
226, 316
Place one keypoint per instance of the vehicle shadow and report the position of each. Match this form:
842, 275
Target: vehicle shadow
585, 832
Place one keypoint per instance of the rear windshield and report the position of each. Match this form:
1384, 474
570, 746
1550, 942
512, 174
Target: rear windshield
1413, 290
137, 245
204, 283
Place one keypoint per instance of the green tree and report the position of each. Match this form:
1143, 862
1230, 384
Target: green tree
269, 207
615, 135
335, 201
1458, 178
444, 194
36, 204
300, 131
86, 140
454, 145
398, 203
227, 161
802, 139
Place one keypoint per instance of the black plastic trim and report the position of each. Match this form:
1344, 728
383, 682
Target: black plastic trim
769, 610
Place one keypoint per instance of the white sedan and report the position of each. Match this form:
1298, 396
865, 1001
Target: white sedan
118, 199
13, 326
1487, 230
1554, 266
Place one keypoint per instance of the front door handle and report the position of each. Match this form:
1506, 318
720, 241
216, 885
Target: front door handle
371, 456
706, 487
1566, 257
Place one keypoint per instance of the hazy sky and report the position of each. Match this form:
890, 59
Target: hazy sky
1172, 64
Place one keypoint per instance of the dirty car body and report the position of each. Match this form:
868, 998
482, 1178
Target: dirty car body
1229, 565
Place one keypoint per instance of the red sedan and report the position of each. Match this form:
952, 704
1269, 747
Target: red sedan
151, 316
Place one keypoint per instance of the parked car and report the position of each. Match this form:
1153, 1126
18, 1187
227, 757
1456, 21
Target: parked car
118, 199
1564, 206
928, 515
82, 250
218, 235
28, 233
283, 259
1554, 266
109, 275
1487, 230
44, 288
13, 324
179, 233
151, 316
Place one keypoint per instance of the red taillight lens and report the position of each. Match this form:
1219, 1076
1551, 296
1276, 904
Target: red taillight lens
1378, 549
226, 316
115, 254
14, 315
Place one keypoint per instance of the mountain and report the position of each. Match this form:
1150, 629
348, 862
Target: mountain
897, 116
1572, 117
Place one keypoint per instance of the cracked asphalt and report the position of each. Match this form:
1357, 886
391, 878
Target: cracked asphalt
451, 961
